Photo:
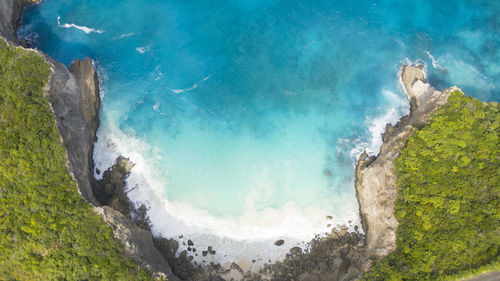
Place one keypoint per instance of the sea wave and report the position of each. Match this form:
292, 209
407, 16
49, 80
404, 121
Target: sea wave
395, 107
82, 28
143, 50
239, 239
434, 62
194, 86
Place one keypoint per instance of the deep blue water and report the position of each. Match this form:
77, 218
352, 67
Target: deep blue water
245, 117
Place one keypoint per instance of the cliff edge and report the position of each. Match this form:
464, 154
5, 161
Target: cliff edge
10, 14
74, 97
375, 184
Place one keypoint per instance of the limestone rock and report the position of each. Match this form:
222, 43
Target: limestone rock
73, 97
10, 14
279, 242
138, 242
376, 188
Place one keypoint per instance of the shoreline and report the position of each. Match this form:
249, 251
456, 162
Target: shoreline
348, 255
74, 97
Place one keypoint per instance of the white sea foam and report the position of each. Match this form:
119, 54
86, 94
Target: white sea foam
125, 35
157, 73
239, 239
194, 86
396, 106
434, 62
82, 28
156, 106
143, 50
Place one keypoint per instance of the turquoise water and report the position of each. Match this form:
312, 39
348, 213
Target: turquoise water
245, 118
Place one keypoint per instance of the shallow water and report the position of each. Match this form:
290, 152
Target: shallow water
245, 118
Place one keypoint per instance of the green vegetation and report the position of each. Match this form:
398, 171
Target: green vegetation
447, 207
47, 231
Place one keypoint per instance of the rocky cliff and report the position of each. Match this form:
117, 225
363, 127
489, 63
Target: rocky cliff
10, 13
74, 97
376, 188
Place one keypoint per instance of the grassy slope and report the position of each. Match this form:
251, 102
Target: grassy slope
47, 231
447, 207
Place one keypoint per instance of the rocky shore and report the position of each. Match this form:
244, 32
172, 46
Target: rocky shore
74, 97
376, 188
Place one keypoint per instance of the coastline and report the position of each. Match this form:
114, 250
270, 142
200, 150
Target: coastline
349, 255
74, 97
375, 183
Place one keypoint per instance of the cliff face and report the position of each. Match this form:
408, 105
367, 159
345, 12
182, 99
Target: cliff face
74, 97
10, 13
376, 188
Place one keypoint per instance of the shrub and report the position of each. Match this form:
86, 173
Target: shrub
447, 205
47, 231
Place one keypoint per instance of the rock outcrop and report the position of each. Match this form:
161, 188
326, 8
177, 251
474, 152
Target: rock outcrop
138, 242
337, 257
74, 97
10, 13
376, 188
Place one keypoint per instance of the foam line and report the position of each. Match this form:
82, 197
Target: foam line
434, 62
239, 239
82, 28
194, 86
143, 50
126, 35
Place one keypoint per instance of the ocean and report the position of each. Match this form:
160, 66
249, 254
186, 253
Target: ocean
245, 118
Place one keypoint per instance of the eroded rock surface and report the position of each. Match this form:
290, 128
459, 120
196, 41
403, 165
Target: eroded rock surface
138, 242
10, 13
70, 98
74, 97
376, 188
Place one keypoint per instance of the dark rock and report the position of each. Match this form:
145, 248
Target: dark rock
110, 190
204, 253
10, 14
138, 242
74, 96
210, 250
279, 242
190, 243
295, 250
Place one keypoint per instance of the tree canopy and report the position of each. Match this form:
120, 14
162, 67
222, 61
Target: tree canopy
447, 206
47, 231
